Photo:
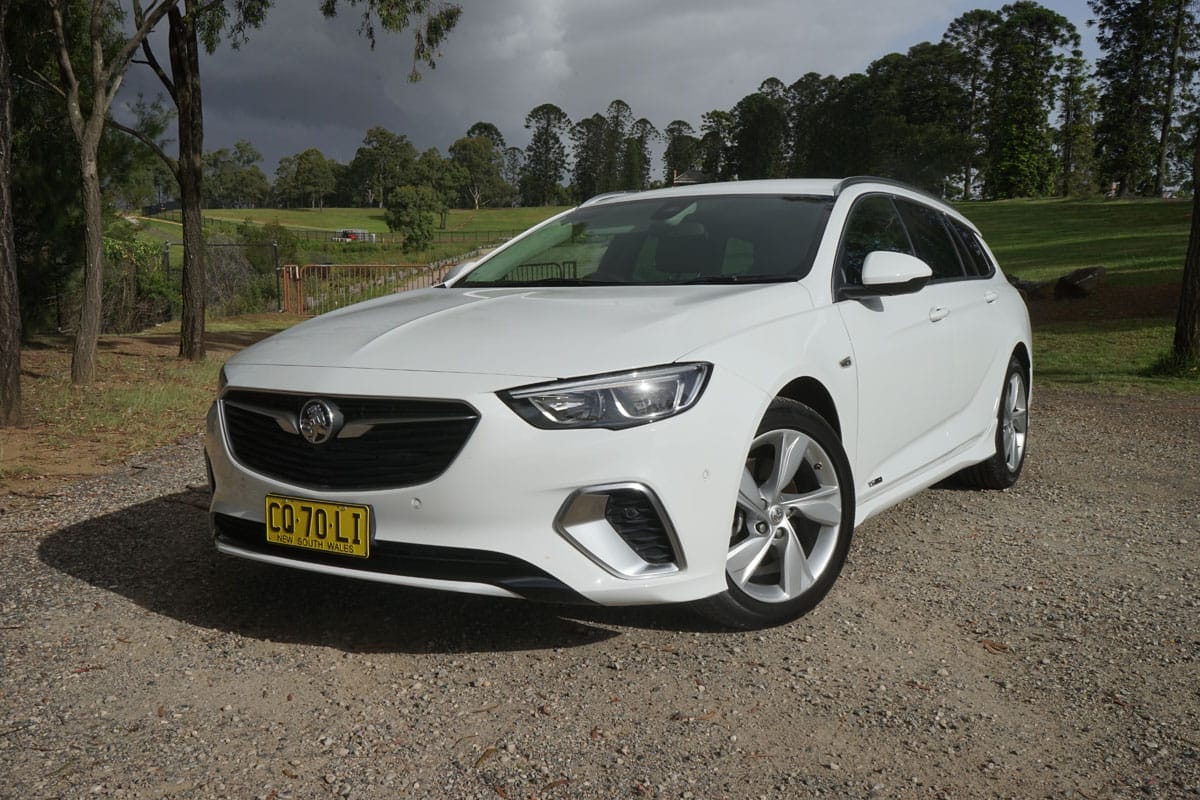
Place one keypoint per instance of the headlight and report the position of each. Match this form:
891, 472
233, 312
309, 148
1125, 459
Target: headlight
619, 400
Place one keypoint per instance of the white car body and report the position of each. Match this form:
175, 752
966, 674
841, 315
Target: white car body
913, 380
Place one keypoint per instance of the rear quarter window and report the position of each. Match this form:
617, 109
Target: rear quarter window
931, 239
974, 256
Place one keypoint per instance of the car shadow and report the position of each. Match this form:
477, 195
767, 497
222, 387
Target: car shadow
159, 555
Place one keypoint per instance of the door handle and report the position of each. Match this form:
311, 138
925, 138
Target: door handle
990, 296
938, 313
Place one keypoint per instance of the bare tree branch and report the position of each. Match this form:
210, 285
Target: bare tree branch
171, 163
163, 77
47, 83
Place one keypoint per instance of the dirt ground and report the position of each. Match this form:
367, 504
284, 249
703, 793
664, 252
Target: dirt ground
36, 458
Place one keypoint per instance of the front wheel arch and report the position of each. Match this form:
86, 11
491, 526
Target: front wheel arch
791, 523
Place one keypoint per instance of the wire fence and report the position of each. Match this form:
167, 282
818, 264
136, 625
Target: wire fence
317, 288
328, 235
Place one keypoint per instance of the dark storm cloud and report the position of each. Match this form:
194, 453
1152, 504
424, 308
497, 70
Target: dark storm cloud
303, 81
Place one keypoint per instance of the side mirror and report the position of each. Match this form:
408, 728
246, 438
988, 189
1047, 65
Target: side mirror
457, 271
886, 273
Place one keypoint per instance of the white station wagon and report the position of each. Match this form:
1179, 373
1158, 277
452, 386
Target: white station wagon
689, 395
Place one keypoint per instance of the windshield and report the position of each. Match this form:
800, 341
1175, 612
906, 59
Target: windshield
673, 240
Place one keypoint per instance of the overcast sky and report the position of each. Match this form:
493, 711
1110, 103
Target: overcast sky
303, 81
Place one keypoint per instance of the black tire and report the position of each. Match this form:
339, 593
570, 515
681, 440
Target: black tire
791, 532
1012, 431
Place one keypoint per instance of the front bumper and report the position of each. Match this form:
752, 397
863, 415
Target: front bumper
504, 518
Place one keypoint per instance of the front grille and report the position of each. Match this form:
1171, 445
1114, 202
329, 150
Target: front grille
408, 441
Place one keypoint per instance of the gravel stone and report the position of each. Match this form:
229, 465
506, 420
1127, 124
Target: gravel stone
1038, 642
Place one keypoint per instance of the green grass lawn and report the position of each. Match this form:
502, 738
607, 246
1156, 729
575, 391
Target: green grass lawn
484, 220
1110, 355
1139, 241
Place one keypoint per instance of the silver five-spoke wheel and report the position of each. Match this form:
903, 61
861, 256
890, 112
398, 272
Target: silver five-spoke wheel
1014, 421
792, 521
789, 509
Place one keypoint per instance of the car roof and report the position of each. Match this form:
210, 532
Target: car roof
802, 186
813, 187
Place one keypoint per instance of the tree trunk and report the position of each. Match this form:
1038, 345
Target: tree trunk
185, 69
1187, 324
83, 356
1168, 114
10, 306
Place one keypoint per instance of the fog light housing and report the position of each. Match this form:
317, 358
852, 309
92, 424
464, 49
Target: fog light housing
622, 528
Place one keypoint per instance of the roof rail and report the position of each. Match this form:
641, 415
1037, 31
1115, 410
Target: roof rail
605, 196
855, 180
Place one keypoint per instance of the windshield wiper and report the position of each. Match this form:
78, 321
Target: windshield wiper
761, 278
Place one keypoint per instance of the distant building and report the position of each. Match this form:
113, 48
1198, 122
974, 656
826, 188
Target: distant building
691, 177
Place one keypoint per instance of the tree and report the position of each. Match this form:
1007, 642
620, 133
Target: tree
587, 144
1148, 52
232, 179
283, 188
808, 102
760, 129
479, 162
49, 228
443, 177
913, 129
1075, 137
682, 151
410, 211
1027, 59
87, 112
716, 142
635, 155
383, 163
489, 132
973, 36
1178, 60
10, 305
830, 134
545, 155
513, 165
314, 179
204, 20
1186, 345
617, 119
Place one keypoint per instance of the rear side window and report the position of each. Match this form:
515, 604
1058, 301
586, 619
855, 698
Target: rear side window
874, 225
974, 257
931, 239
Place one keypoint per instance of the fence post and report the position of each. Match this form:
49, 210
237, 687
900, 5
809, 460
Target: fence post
278, 277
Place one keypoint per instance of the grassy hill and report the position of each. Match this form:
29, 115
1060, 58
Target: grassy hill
371, 219
1140, 242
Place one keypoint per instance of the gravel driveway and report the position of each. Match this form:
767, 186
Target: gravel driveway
1041, 642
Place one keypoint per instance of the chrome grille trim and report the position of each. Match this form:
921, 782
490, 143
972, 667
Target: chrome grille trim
386, 442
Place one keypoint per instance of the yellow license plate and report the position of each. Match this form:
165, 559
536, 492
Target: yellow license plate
324, 527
